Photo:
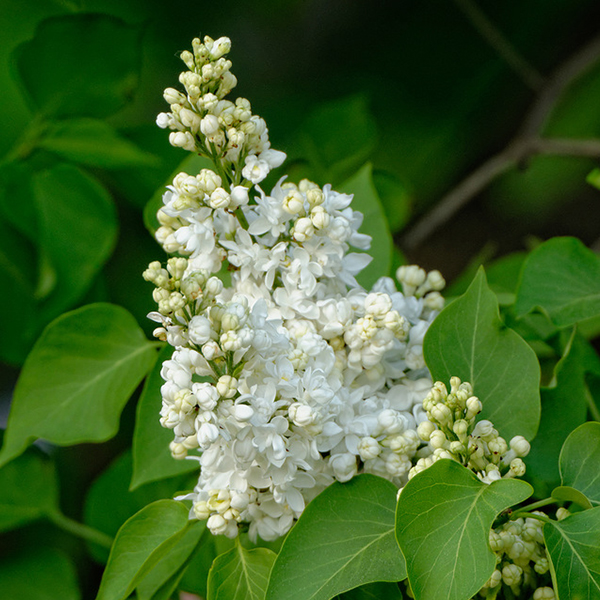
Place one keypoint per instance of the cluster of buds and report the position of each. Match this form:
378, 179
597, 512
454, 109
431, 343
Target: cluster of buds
452, 432
202, 121
521, 561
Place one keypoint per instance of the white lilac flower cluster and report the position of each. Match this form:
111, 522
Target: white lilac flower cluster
291, 376
452, 432
521, 560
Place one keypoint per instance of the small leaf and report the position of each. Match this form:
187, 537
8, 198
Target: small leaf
240, 574
375, 224
78, 229
109, 503
565, 493
77, 379
94, 143
28, 490
344, 538
443, 520
40, 574
561, 277
80, 65
572, 546
152, 459
468, 340
579, 460
135, 548
593, 178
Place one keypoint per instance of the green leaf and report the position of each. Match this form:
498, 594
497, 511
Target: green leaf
28, 490
169, 569
344, 538
593, 178
109, 503
565, 493
338, 138
152, 459
17, 273
443, 520
78, 230
572, 546
142, 541
77, 379
468, 340
80, 65
94, 143
564, 407
191, 165
395, 199
561, 277
240, 574
375, 224
579, 460
40, 574
195, 578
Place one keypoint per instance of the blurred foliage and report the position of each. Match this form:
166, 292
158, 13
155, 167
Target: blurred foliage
399, 99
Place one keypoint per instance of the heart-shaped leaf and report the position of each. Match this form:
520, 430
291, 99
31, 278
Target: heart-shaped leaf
562, 277
344, 538
572, 546
468, 340
443, 521
77, 379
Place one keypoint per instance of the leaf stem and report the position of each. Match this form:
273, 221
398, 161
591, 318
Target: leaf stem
539, 504
80, 530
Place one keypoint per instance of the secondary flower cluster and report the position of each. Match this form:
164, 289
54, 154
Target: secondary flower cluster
521, 559
452, 432
290, 376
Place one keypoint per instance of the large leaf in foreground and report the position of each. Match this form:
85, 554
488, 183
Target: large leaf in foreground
141, 543
109, 503
468, 340
573, 547
443, 520
344, 538
77, 379
240, 574
152, 459
562, 277
580, 460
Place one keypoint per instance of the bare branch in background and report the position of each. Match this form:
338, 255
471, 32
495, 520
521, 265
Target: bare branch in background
526, 143
530, 76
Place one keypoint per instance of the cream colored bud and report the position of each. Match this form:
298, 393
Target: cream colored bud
303, 229
293, 203
209, 125
425, 429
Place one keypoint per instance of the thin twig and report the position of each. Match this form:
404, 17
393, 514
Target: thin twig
495, 38
524, 145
